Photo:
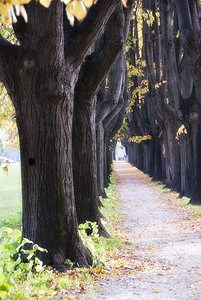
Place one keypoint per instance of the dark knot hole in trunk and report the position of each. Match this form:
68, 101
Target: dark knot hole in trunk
32, 161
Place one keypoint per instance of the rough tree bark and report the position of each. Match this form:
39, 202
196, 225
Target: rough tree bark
92, 73
187, 17
108, 107
164, 97
40, 76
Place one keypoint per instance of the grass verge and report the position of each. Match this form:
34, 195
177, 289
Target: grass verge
175, 199
10, 197
49, 284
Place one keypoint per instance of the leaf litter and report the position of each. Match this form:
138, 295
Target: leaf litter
162, 254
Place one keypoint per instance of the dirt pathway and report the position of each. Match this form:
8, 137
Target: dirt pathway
164, 261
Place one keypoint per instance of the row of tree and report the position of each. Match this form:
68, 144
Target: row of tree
70, 87
56, 77
164, 65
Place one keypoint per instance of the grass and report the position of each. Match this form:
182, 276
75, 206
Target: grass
50, 284
177, 200
10, 197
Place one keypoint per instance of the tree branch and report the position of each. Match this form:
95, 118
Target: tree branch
183, 14
83, 37
98, 64
115, 85
7, 56
116, 122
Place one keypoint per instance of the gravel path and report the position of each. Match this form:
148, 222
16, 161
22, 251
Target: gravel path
164, 261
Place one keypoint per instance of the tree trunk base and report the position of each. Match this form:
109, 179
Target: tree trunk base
195, 201
102, 216
102, 231
100, 204
104, 195
82, 258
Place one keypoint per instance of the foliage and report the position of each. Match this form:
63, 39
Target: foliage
11, 269
138, 85
122, 133
139, 139
30, 280
8, 126
98, 245
7, 120
74, 8
86, 238
148, 17
111, 207
182, 130
10, 9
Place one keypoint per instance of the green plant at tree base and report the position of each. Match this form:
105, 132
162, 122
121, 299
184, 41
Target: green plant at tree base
93, 241
30, 280
12, 269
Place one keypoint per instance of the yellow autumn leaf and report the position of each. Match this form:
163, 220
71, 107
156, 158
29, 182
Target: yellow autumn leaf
5, 169
19, 2
88, 3
9, 9
77, 9
45, 3
124, 2
23, 13
70, 16
66, 1
3, 9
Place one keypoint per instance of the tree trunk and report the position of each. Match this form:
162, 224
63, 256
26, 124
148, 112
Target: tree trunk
49, 216
100, 159
157, 175
84, 162
150, 157
40, 75
196, 193
172, 155
186, 165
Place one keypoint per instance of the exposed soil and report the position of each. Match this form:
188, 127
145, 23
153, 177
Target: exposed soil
164, 260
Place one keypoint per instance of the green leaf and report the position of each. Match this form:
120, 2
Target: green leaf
3, 288
38, 248
68, 262
2, 279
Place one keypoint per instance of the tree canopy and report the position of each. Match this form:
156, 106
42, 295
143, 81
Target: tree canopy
11, 9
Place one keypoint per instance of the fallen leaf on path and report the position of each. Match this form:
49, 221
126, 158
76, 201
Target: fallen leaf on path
156, 290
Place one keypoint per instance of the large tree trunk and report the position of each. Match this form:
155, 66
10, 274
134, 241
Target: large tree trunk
49, 216
41, 89
43, 97
40, 76
84, 160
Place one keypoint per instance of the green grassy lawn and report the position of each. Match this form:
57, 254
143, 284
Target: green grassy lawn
10, 197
